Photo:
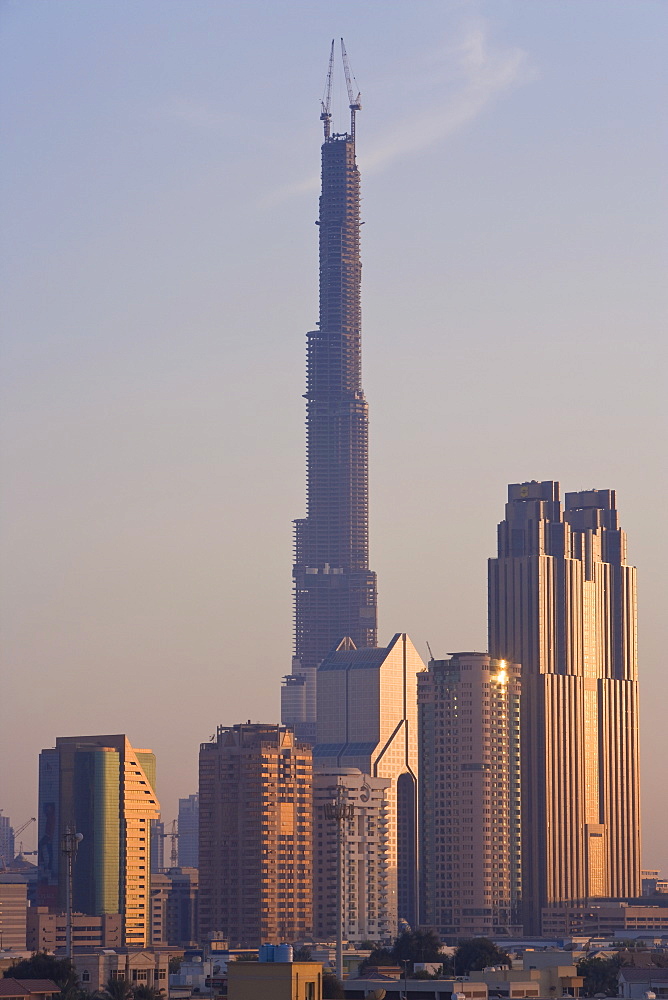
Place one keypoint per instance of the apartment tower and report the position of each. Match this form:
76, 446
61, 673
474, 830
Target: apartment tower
255, 842
562, 602
367, 719
103, 788
365, 861
334, 589
470, 864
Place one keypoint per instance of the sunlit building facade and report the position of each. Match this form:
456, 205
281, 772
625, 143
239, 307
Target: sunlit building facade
365, 860
255, 845
367, 719
103, 788
562, 602
470, 862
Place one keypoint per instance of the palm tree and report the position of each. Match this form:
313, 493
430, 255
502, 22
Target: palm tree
117, 989
147, 993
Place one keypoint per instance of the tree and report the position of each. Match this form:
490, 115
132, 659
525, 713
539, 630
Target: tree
302, 955
144, 992
117, 989
417, 946
43, 966
379, 956
600, 975
475, 954
332, 988
174, 964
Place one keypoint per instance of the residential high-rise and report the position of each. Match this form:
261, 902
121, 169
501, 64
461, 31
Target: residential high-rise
470, 874
365, 857
335, 591
188, 831
157, 846
562, 602
367, 719
255, 845
103, 788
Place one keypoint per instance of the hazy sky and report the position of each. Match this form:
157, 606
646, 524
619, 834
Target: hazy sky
159, 277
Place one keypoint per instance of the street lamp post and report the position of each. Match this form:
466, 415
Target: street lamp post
339, 811
71, 841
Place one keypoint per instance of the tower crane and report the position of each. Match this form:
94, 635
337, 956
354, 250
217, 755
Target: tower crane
17, 834
325, 104
173, 836
355, 103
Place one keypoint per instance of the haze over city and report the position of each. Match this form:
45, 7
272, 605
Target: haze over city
160, 268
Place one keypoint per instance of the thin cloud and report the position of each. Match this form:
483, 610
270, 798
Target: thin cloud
482, 75
468, 77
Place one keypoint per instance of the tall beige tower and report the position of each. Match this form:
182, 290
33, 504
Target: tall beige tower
367, 719
255, 841
470, 866
562, 602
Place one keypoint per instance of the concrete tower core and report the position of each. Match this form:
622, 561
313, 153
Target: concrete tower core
335, 592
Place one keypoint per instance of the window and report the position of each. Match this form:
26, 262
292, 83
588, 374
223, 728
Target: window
309, 991
85, 976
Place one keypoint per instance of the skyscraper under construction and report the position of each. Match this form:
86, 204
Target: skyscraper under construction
335, 592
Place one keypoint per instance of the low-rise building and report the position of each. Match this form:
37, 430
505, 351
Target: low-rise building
603, 919
47, 931
634, 984
135, 966
533, 980
28, 989
13, 908
278, 980
415, 989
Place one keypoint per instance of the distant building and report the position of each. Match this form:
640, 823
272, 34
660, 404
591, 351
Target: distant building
255, 848
653, 883
189, 832
366, 861
103, 788
602, 919
47, 931
470, 863
174, 908
13, 909
562, 602
367, 719
157, 846
6, 841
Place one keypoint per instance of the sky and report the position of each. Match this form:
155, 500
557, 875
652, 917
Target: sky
159, 275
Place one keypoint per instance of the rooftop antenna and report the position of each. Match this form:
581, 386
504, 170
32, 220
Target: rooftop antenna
325, 104
355, 103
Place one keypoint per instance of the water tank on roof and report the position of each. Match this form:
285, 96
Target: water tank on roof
283, 953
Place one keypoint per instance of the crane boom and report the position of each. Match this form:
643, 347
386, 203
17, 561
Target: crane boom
355, 102
326, 116
24, 826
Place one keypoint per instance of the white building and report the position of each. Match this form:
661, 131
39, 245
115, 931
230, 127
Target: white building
365, 846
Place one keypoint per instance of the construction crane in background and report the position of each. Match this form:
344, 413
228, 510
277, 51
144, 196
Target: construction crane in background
173, 836
17, 833
355, 102
326, 103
